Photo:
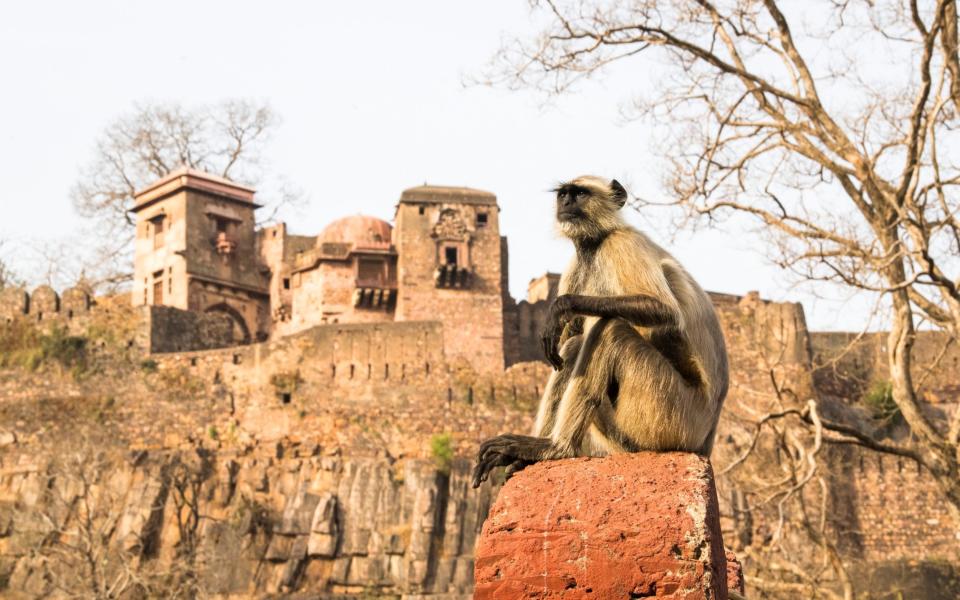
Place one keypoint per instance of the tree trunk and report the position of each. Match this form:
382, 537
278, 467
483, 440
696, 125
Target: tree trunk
943, 463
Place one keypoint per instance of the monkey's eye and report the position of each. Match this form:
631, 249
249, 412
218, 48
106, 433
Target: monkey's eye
581, 194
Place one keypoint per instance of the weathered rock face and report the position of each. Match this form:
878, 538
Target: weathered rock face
270, 520
629, 526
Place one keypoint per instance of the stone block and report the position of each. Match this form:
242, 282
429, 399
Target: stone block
340, 570
626, 526
368, 570
143, 507
291, 571
7, 438
734, 574
14, 302
75, 301
44, 301
324, 531
417, 570
298, 514
281, 548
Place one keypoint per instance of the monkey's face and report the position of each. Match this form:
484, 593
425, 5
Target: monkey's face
572, 200
588, 206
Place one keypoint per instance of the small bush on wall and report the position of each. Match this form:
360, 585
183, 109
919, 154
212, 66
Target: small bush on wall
23, 345
441, 447
879, 401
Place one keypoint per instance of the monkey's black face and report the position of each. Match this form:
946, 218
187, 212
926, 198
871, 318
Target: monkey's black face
571, 202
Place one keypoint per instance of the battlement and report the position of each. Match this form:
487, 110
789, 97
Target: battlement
873, 491
847, 364
43, 304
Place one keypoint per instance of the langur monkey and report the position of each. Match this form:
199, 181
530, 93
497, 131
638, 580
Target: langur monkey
638, 354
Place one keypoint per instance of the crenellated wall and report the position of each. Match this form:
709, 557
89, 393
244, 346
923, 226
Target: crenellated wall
846, 364
872, 495
43, 304
154, 328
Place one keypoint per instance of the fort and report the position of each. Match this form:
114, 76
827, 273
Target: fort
316, 376
198, 249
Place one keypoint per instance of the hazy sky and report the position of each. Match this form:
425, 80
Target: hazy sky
372, 101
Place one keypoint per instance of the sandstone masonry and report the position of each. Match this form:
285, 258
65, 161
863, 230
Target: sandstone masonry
198, 249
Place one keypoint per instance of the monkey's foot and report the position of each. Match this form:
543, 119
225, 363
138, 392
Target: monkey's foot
509, 449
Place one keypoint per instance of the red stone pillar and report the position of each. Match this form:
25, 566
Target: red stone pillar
628, 526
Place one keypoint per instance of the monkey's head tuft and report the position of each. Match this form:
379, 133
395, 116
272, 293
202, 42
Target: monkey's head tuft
588, 207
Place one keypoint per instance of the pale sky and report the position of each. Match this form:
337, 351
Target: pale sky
372, 101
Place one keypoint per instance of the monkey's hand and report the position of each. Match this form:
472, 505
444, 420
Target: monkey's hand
515, 467
561, 312
508, 450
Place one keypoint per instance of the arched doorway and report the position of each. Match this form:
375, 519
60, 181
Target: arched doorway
241, 333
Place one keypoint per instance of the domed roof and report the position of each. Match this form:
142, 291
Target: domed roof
359, 231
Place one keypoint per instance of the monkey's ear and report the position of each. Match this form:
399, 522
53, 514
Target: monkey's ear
619, 193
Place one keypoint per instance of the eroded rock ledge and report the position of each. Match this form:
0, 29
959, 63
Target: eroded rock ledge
630, 526
272, 520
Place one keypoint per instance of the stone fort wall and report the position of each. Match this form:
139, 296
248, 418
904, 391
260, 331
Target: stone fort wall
846, 364
388, 386
44, 304
153, 328
884, 508
872, 494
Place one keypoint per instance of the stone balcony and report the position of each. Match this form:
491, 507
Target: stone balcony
450, 276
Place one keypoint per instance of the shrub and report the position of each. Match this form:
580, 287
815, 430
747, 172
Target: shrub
18, 339
103, 409
68, 350
23, 345
148, 365
879, 400
441, 446
286, 382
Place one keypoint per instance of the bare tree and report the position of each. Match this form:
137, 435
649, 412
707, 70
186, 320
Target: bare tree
8, 278
779, 498
187, 476
78, 520
58, 264
832, 123
78, 525
225, 139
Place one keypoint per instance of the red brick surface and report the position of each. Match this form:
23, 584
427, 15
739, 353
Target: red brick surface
734, 573
630, 526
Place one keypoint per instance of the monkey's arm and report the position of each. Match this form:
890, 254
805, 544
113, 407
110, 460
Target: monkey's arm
639, 309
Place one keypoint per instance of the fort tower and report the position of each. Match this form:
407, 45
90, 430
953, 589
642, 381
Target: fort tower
449, 269
195, 250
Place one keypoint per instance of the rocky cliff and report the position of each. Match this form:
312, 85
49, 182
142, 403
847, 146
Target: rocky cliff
265, 520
